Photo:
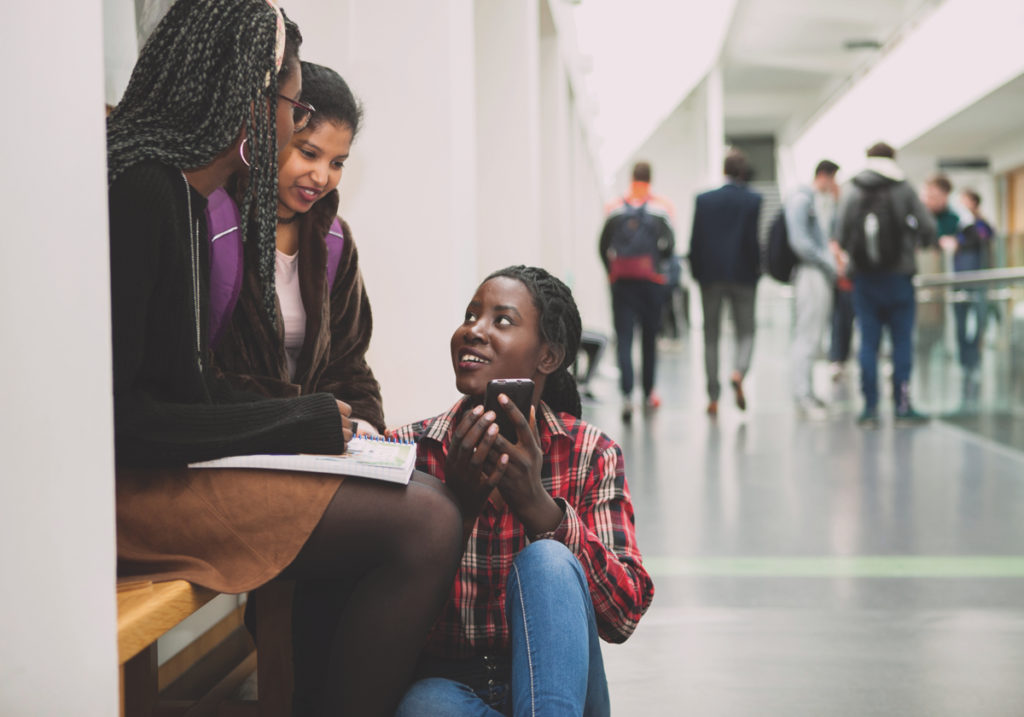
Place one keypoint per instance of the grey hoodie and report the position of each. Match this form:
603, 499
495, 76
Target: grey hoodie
882, 171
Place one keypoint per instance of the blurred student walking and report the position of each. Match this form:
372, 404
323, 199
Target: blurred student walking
636, 243
725, 259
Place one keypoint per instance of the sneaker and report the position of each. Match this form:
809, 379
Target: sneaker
653, 401
811, 408
909, 417
868, 418
713, 409
627, 411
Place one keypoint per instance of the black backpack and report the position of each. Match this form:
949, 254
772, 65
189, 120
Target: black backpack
634, 251
779, 257
876, 230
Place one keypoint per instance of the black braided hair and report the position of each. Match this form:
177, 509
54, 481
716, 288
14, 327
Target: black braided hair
205, 73
559, 325
325, 89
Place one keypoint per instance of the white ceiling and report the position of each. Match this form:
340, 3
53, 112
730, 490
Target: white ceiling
784, 58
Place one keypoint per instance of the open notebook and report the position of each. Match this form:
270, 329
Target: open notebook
378, 458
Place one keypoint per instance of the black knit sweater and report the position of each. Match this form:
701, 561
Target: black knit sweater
167, 409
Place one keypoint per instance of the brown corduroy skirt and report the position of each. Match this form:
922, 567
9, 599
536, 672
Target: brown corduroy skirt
230, 530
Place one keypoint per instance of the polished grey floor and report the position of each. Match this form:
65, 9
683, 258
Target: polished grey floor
813, 568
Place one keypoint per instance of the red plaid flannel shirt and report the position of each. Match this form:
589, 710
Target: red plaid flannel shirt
583, 470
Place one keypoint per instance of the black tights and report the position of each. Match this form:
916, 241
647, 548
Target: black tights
371, 579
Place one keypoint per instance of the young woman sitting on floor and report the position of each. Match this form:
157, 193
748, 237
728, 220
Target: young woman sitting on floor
551, 561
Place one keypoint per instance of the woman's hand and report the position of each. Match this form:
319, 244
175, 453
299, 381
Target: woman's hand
468, 471
346, 422
521, 486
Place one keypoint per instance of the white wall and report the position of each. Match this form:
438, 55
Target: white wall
472, 157
507, 63
409, 187
58, 651
587, 280
559, 242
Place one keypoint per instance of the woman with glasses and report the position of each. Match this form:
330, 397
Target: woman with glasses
321, 339
174, 138
320, 343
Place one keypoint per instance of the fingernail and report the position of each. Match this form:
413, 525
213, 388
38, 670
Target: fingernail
478, 410
493, 429
491, 415
502, 399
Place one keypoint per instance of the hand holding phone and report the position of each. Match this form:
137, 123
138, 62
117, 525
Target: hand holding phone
520, 392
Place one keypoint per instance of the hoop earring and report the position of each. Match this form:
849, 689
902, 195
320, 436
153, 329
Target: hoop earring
241, 152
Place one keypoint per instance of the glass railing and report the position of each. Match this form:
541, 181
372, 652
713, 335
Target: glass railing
969, 350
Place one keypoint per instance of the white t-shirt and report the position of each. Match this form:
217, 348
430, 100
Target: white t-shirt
293, 313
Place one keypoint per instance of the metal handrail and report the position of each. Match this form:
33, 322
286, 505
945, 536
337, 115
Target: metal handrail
984, 277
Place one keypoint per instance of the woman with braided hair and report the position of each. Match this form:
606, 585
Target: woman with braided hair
551, 562
217, 87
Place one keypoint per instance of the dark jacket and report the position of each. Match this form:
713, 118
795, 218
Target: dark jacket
339, 324
724, 245
169, 408
920, 224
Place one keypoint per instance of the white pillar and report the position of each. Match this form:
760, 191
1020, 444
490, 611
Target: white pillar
558, 241
715, 114
409, 186
508, 144
590, 283
58, 652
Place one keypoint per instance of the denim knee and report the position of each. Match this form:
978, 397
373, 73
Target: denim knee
549, 561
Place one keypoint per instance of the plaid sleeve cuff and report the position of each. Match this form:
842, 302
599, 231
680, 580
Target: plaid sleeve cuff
569, 532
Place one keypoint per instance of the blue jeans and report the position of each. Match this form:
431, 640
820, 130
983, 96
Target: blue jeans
970, 328
885, 300
637, 302
555, 667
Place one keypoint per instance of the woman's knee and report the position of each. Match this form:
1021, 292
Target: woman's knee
433, 515
548, 561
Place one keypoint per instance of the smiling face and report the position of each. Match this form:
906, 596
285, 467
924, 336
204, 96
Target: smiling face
310, 166
500, 338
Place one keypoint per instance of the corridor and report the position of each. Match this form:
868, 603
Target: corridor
815, 568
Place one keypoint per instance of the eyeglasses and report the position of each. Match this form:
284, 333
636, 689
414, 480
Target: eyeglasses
301, 112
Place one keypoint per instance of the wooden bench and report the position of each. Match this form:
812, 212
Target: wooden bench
200, 679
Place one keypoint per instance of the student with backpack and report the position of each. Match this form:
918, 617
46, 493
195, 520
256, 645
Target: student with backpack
636, 244
320, 341
810, 225
881, 222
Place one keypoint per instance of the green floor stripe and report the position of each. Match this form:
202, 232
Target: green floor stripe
894, 566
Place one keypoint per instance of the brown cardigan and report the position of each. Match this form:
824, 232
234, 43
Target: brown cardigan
251, 351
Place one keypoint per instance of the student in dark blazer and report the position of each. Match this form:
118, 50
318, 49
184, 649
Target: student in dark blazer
725, 259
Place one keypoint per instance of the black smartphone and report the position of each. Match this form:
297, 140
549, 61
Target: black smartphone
520, 392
